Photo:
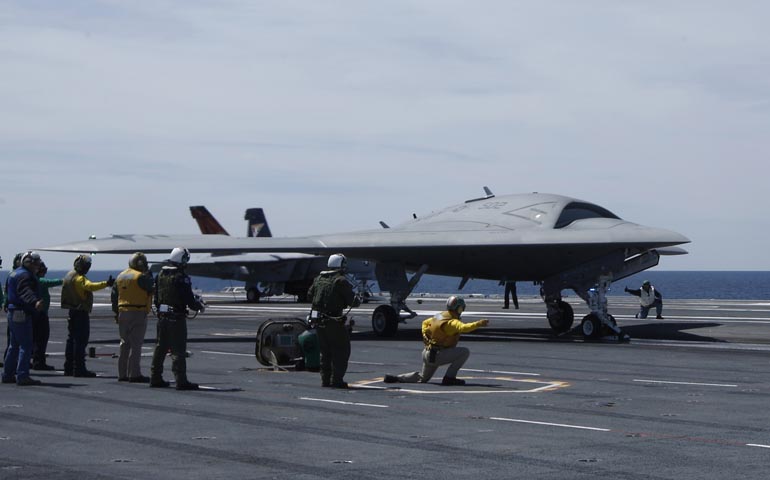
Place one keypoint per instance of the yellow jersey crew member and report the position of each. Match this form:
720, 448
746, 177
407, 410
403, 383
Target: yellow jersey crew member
440, 335
132, 300
77, 296
331, 294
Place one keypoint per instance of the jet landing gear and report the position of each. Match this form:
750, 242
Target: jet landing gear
599, 324
253, 295
385, 321
560, 315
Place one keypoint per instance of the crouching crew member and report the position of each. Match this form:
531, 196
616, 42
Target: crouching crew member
331, 293
440, 335
132, 299
77, 295
173, 295
649, 297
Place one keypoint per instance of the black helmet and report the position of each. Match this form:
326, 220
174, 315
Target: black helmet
17, 260
82, 264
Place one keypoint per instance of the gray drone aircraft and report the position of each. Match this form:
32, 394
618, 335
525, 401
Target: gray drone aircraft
556, 241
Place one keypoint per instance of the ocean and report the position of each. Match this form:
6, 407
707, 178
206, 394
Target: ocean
722, 285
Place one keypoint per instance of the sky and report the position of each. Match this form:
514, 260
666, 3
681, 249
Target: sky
116, 116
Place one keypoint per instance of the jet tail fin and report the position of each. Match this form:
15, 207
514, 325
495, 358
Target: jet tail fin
257, 223
206, 221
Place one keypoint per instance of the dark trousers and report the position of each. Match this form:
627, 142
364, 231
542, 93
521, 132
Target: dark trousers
171, 334
78, 332
510, 291
41, 330
334, 341
19, 348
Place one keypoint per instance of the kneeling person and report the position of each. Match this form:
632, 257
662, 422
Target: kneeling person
440, 335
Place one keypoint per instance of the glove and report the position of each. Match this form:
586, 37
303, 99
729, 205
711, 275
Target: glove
110, 281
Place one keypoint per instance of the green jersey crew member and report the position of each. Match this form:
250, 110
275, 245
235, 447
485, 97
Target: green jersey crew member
440, 335
173, 296
331, 293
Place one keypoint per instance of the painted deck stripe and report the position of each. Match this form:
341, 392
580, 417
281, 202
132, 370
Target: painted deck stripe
228, 353
325, 400
499, 371
688, 383
757, 445
562, 425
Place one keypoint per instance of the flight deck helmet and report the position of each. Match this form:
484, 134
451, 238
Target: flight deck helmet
82, 264
179, 256
17, 260
337, 261
31, 260
138, 261
42, 270
455, 304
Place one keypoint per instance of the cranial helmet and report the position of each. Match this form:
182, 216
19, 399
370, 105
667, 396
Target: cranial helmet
455, 304
17, 260
138, 261
179, 256
82, 264
30, 259
337, 260
646, 283
42, 270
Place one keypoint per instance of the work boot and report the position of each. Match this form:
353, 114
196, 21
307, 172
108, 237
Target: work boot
27, 381
122, 379
390, 379
187, 386
139, 379
448, 381
159, 383
659, 317
42, 366
341, 385
11, 379
84, 374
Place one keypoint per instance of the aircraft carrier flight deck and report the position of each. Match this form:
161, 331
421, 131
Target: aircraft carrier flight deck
685, 398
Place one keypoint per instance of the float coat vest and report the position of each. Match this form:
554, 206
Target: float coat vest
132, 297
325, 295
69, 295
647, 298
436, 336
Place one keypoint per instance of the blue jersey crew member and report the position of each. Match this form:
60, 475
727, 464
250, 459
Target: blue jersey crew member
23, 302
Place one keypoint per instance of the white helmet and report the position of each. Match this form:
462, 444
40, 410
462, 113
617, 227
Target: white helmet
179, 256
337, 260
455, 304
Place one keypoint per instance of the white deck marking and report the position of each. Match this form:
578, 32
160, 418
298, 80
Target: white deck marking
228, 353
757, 445
687, 383
562, 425
468, 389
500, 371
326, 400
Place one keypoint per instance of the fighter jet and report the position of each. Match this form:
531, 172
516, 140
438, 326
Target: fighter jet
266, 274
553, 240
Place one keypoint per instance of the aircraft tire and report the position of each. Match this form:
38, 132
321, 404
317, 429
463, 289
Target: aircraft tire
385, 321
591, 326
562, 321
252, 295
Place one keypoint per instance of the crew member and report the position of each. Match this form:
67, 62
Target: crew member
331, 293
41, 326
173, 296
23, 300
77, 296
440, 334
510, 293
132, 299
649, 297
